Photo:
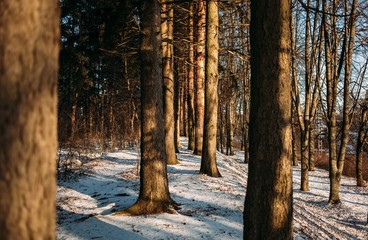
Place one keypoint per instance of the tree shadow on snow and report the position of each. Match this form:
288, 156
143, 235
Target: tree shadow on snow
90, 226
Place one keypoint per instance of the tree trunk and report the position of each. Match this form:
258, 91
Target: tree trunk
221, 130
331, 109
183, 104
359, 166
102, 121
178, 114
73, 119
304, 186
227, 124
154, 196
304, 148
169, 85
293, 143
29, 51
311, 147
359, 148
190, 98
268, 203
199, 110
245, 38
111, 127
362, 138
208, 163
231, 118
295, 89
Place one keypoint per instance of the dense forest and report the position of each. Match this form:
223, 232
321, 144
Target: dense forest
285, 82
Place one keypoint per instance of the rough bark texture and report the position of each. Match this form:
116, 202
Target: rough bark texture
199, 100
268, 203
169, 85
29, 50
154, 194
208, 163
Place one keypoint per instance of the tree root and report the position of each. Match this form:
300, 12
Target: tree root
144, 207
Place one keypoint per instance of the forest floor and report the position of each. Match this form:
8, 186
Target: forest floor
211, 208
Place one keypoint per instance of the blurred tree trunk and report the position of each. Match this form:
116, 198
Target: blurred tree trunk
111, 124
29, 51
268, 203
73, 116
208, 163
154, 196
199, 99
167, 14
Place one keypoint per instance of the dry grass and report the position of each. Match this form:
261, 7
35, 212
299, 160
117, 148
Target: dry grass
321, 160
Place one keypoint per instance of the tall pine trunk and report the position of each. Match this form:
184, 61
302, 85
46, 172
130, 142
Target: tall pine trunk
190, 98
208, 163
268, 202
199, 100
154, 196
168, 79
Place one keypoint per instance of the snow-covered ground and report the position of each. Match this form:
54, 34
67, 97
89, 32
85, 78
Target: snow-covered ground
211, 208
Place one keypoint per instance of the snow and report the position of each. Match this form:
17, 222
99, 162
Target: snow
211, 208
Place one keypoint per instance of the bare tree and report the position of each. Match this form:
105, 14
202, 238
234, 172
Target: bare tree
306, 114
29, 50
334, 65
